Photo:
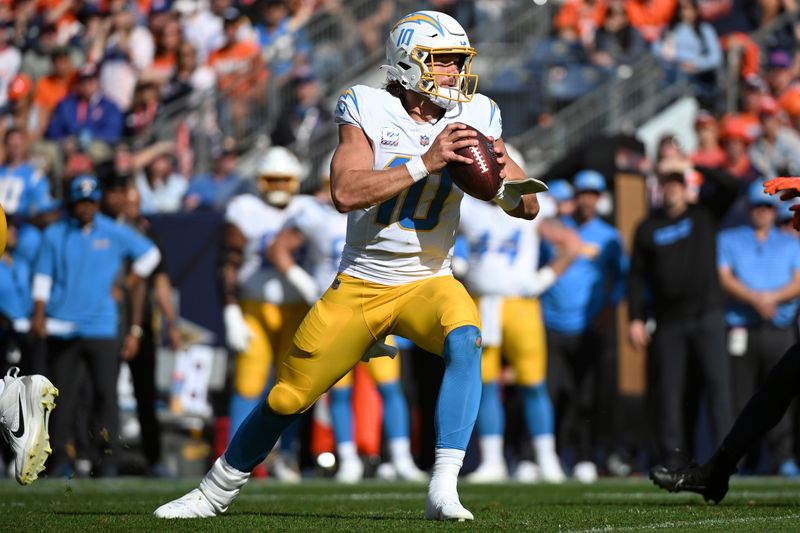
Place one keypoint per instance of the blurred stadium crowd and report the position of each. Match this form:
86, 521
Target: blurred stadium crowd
172, 105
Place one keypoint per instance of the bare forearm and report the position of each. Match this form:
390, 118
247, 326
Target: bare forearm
736, 289
162, 292
359, 189
789, 291
528, 208
138, 292
229, 284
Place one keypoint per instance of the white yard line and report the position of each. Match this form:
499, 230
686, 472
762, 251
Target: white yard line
357, 496
682, 524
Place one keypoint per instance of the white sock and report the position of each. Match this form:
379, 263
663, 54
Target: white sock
222, 483
400, 450
347, 451
2, 386
545, 447
492, 450
447, 465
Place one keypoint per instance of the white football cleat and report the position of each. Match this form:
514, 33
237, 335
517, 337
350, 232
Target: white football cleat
408, 471
438, 507
215, 494
489, 473
551, 471
194, 504
25, 406
284, 471
585, 472
350, 471
527, 472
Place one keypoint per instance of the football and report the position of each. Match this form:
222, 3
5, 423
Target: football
481, 179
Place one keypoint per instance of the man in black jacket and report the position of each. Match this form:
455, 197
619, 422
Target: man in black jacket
674, 261
764, 410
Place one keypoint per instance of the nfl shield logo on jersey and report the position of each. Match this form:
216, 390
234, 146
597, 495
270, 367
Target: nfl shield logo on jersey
424, 140
390, 137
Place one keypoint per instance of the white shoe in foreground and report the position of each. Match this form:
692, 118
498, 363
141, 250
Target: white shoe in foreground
438, 507
214, 495
25, 406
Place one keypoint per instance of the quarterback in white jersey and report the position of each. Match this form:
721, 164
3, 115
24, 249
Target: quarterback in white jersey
406, 237
388, 172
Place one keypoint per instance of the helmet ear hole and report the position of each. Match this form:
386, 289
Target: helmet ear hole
404, 66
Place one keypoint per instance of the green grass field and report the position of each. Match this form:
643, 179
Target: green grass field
127, 504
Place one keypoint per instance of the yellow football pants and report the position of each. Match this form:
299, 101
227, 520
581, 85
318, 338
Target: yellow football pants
273, 327
381, 369
351, 315
523, 346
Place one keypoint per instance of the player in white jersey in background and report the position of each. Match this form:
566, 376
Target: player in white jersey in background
503, 276
389, 173
316, 224
262, 310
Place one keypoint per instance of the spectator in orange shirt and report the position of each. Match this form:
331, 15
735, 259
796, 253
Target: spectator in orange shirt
241, 76
52, 88
579, 19
790, 103
709, 152
650, 17
168, 41
736, 139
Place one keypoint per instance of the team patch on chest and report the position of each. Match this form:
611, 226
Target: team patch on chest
390, 136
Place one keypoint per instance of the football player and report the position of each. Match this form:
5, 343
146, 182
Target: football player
316, 224
504, 278
389, 173
262, 310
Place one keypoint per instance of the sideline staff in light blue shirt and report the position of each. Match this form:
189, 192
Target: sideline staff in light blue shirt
760, 267
78, 262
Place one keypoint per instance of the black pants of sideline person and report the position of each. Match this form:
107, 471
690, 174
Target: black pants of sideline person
767, 407
101, 360
143, 374
765, 344
677, 346
575, 384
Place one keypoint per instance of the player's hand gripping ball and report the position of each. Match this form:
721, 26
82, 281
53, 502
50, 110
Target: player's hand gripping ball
3, 230
482, 178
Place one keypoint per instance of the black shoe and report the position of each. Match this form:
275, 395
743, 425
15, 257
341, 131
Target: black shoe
692, 478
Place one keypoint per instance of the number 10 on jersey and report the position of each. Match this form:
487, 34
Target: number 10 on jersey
410, 200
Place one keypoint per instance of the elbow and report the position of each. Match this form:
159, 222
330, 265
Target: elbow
343, 202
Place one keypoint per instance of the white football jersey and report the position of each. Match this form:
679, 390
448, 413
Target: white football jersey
325, 230
260, 223
503, 250
408, 237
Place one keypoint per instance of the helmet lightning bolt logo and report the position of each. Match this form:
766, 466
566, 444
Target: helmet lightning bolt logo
419, 18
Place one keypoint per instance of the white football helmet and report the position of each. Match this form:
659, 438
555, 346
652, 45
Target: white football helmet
279, 176
411, 48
